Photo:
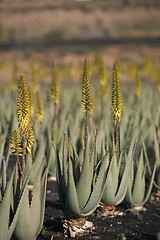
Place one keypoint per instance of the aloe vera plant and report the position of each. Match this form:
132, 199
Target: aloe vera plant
137, 192
31, 210
31, 213
8, 216
117, 181
80, 188
81, 178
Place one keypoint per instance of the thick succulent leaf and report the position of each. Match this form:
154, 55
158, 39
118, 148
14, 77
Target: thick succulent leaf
72, 205
124, 181
146, 156
99, 187
3, 140
114, 172
52, 161
20, 201
60, 182
85, 181
93, 154
129, 194
35, 207
43, 198
64, 162
4, 177
156, 146
139, 183
5, 210
108, 197
148, 191
37, 161
23, 228
133, 144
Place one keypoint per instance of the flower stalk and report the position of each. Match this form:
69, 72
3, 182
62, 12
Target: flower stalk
87, 102
116, 104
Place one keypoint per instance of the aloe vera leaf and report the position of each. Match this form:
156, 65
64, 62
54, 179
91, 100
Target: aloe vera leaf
4, 177
60, 182
139, 183
16, 213
129, 193
93, 154
52, 161
146, 156
114, 172
157, 178
5, 210
2, 145
23, 229
124, 182
72, 205
98, 187
64, 159
156, 146
35, 207
146, 197
43, 198
85, 181
37, 161
108, 197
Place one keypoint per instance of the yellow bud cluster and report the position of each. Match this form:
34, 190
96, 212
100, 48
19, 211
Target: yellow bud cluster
87, 99
116, 94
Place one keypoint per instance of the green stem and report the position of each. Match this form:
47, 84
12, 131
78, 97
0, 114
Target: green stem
23, 158
117, 137
19, 165
86, 132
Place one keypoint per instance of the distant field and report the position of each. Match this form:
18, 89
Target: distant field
67, 29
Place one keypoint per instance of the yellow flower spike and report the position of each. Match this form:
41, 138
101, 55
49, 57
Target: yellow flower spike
87, 99
39, 108
55, 88
23, 106
137, 85
24, 115
29, 139
116, 94
16, 143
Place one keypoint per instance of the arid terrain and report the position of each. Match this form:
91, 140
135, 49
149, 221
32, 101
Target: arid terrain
65, 30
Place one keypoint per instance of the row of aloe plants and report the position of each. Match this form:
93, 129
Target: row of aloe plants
94, 161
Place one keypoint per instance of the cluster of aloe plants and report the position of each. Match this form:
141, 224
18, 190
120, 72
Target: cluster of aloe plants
99, 156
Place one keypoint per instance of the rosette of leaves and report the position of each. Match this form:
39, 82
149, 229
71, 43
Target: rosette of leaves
117, 179
81, 181
80, 187
8, 217
31, 213
138, 191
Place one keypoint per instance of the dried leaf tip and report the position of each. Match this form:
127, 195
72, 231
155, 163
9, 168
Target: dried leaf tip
87, 99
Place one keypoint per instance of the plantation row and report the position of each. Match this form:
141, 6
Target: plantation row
101, 144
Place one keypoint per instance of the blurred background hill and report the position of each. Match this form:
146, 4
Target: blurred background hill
127, 28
